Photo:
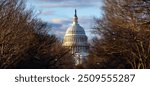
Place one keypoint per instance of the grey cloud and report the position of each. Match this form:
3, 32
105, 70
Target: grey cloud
69, 3
85, 19
66, 5
85, 1
48, 12
53, 25
52, 0
59, 30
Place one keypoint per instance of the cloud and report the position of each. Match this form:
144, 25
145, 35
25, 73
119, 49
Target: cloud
53, 25
85, 19
59, 26
69, 3
48, 12
66, 5
52, 0
60, 21
57, 20
69, 0
59, 29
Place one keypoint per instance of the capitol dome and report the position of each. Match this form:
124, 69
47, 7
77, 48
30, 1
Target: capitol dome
76, 39
75, 28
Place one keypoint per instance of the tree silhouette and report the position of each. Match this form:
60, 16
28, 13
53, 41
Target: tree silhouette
124, 35
25, 42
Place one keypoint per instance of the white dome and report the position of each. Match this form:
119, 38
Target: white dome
75, 28
76, 39
75, 36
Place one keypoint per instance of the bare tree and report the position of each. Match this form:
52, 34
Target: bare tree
25, 42
15, 35
124, 33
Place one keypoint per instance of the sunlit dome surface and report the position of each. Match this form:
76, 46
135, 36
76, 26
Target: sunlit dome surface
75, 28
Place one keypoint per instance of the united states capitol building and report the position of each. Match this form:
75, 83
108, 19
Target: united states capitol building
76, 39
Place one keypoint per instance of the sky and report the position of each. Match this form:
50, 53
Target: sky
59, 13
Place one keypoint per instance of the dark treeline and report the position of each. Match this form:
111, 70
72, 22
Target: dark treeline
123, 36
25, 42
